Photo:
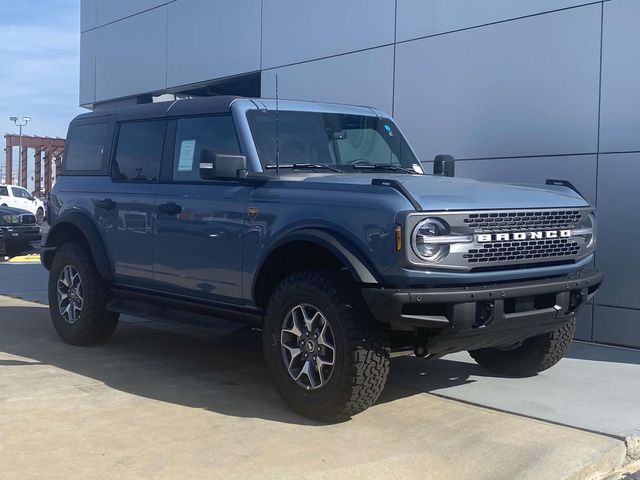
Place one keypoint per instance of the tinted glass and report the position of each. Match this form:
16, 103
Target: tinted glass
139, 151
85, 147
329, 138
4, 191
20, 192
195, 134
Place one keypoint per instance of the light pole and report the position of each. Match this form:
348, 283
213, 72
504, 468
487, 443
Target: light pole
20, 122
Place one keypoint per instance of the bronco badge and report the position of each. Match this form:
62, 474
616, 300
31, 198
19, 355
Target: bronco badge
504, 237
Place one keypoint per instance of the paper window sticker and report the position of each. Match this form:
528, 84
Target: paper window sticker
187, 150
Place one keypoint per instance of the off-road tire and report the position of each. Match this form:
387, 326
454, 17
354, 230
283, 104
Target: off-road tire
95, 324
533, 356
362, 346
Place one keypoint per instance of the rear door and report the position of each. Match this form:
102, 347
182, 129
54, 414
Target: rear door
21, 199
200, 225
127, 210
5, 199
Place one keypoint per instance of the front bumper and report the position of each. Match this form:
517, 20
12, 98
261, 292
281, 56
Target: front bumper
21, 235
487, 315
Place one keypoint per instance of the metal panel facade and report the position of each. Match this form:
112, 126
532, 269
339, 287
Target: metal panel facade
193, 46
518, 90
127, 60
301, 30
307, 81
474, 95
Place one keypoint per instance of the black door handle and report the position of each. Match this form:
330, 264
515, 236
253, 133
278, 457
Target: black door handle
107, 204
170, 208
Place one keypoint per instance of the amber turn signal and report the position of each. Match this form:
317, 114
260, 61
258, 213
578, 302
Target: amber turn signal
398, 238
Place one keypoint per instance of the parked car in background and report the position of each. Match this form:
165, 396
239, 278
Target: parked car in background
19, 231
18, 197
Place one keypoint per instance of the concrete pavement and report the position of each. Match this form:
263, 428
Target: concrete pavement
154, 404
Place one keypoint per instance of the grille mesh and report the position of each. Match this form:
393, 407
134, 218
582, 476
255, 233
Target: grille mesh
523, 250
523, 221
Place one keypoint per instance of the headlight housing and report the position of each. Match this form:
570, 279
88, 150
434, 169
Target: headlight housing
425, 240
10, 219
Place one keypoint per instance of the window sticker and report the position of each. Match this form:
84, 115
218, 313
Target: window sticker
187, 149
388, 129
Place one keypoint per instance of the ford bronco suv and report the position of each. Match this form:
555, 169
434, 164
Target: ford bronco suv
317, 224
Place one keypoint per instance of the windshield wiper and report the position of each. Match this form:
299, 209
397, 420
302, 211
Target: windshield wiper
384, 166
293, 166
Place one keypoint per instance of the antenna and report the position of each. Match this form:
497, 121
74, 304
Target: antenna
277, 131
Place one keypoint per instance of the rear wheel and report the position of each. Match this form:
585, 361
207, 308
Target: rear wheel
78, 297
40, 216
534, 355
329, 359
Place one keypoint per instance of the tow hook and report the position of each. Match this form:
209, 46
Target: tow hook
484, 314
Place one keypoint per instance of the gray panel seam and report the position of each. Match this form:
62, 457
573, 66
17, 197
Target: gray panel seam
497, 22
328, 57
128, 16
617, 306
395, 45
595, 256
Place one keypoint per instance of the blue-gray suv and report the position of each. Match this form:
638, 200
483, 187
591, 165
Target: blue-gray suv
317, 224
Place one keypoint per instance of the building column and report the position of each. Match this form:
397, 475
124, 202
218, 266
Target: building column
58, 158
8, 168
37, 171
47, 168
23, 167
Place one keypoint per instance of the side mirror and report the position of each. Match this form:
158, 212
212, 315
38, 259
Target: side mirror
444, 165
218, 166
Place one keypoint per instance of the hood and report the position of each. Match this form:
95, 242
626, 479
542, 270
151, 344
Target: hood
13, 211
450, 193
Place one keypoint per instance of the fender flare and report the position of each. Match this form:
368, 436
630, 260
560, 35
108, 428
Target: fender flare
89, 231
352, 259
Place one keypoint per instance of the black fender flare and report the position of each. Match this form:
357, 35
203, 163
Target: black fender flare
89, 231
350, 257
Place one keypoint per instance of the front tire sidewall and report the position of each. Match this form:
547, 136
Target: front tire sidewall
40, 216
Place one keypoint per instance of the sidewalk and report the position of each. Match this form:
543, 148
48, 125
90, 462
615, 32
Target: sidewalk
153, 404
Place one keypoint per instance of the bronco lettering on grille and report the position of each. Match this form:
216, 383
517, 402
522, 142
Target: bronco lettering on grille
539, 235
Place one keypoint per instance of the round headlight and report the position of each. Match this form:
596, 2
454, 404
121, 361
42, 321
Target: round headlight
591, 239
424, 241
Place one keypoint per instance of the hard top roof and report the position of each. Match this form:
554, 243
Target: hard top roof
217, 104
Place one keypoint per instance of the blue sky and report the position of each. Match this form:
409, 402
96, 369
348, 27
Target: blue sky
39, 65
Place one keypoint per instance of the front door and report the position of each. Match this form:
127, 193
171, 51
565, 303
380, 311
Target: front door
200, 225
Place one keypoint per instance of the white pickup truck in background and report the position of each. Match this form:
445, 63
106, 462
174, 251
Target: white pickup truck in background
18, 197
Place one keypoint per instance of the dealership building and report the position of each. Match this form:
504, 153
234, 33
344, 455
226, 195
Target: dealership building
516, 90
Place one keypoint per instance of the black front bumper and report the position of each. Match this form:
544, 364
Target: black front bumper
19, 235
464, 318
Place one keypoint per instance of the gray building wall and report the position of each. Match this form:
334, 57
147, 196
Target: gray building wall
516, 90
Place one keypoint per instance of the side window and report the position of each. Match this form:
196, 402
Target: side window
139, 151
85, 147
20, 192
195, 134
4, 192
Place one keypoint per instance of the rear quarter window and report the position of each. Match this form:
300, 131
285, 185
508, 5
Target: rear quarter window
85, 148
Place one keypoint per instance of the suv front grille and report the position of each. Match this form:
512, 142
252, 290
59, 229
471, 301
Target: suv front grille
523, 250
522, 221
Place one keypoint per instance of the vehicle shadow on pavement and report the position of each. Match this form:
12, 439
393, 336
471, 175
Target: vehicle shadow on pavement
194, 368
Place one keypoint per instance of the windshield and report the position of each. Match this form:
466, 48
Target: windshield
344, 142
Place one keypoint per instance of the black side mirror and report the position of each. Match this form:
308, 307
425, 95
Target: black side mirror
444, 165
221, 165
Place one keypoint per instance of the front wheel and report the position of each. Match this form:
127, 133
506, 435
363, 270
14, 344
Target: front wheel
40, 216
534, 355
328, 358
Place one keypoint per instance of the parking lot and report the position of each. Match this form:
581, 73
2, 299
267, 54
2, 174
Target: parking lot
168, 401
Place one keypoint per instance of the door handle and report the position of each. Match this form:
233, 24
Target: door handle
170, 208
107, 204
